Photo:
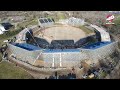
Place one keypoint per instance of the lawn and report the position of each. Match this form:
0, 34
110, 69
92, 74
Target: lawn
10, 71
61, 15
117, 20
27, 23
86, 30
9, 34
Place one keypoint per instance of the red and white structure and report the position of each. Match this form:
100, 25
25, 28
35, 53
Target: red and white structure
110, 19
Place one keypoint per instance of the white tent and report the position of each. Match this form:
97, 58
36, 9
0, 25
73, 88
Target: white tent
1, 32
72, 21
2, 29
76, 21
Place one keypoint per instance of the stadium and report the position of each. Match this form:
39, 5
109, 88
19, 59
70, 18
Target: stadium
61, 44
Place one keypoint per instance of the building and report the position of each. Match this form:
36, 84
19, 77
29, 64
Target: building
2, 29
76, 21
46, 57
60, 58
72, 21
5, 27
46, 22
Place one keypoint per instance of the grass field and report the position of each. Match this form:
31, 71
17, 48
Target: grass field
117, 20
27, 23
61, 15
10, 71
86, 30
9, 35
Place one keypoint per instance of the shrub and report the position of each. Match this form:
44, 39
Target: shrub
103, 74
0, 57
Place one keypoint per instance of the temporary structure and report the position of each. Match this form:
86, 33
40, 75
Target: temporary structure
2, 29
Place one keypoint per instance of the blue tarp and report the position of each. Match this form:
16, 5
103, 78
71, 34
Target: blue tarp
60, 50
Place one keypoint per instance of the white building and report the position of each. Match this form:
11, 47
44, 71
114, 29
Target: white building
73, 21
2, 29
76, 21
5, 27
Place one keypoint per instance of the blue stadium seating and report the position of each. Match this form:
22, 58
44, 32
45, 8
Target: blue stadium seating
59, 50
96, 45
27, 46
